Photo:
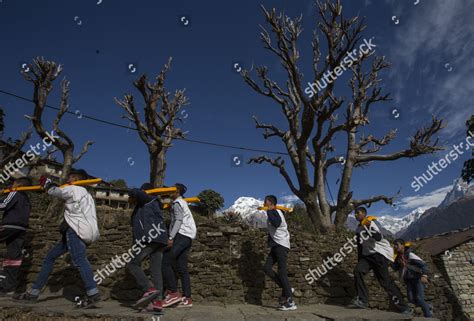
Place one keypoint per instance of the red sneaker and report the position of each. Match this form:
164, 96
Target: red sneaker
171, 299
185, 303
147, 297
155, 306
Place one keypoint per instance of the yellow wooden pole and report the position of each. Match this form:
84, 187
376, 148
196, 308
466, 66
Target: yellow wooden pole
39, 188
23, 189
85, 182
161, 190
279, 207
189, 200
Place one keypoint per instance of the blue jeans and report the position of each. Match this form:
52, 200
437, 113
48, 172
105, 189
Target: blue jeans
77, 249
416, 295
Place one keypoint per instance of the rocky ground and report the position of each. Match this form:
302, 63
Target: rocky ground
57, 308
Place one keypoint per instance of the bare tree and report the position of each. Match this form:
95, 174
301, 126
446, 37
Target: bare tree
313, 120
42, 74
161, 112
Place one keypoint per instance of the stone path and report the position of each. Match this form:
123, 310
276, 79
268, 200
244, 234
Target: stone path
58, 308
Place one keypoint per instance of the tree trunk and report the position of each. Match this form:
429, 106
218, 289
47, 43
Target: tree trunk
341, 218
157, 168
322, 222
57, 205
345, 185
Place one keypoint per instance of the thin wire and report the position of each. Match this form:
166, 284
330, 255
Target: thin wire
184, 139
132, 128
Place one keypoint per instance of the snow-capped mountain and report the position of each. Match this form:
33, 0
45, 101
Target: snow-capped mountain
396, 224
453, 213
246, 207
460, 189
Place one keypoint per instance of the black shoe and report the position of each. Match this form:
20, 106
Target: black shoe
288, 305
26, 297
89, 301
358, 304
4, 293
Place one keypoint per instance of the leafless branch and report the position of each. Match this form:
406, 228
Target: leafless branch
84, 150
420, 144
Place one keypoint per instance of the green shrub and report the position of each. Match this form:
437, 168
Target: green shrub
211, 201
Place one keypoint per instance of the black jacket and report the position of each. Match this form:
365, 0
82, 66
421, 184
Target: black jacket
17, 208
147, 219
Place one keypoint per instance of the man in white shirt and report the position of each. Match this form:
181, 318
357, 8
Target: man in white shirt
374, 253
181, 233
79, 229
279, 243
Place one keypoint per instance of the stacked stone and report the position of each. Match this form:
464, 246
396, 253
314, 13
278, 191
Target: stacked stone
225, 263
459, 269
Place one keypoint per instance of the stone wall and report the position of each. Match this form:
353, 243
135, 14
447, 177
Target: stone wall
459, 271
225, 263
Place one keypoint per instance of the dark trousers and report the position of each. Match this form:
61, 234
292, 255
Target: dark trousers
14, 240
416, 295
155, 252
379, 264
178, 253
278, 254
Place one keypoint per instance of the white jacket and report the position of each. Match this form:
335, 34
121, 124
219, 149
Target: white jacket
188, 226
80, 212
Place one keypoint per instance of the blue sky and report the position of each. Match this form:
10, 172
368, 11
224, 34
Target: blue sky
432, 73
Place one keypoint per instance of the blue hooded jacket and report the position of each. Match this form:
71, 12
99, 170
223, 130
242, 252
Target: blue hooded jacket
147, 218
